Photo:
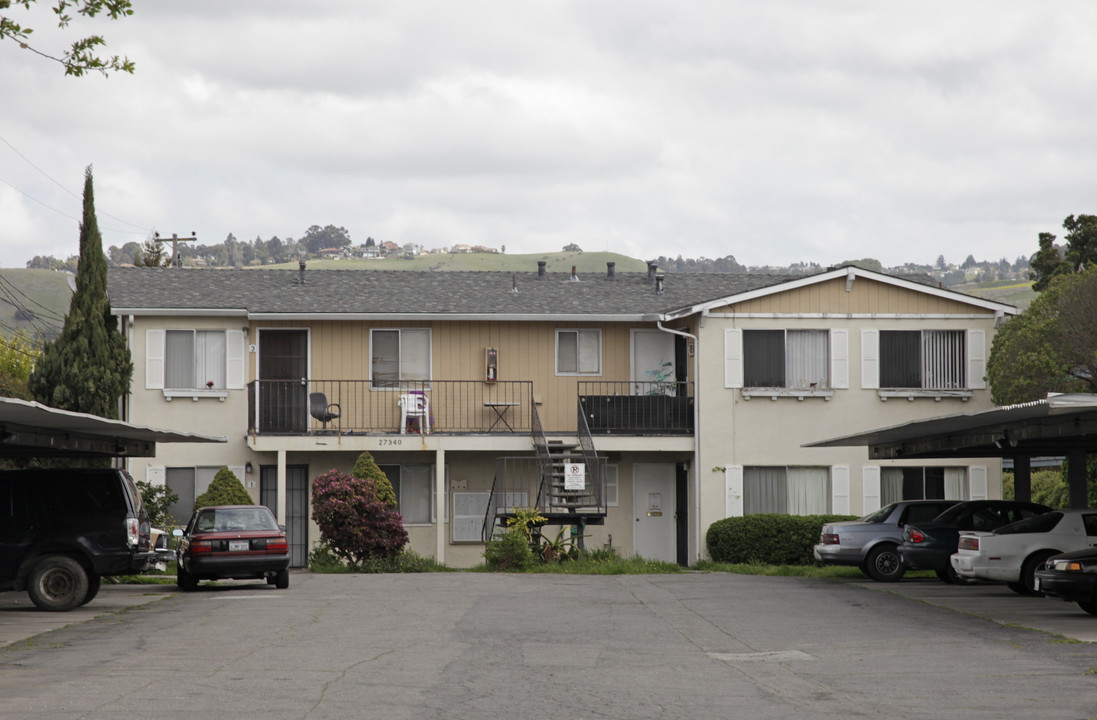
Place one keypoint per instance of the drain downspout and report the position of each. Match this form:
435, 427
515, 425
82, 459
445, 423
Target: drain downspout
696, 435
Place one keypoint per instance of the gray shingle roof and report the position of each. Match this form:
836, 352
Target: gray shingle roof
411, 292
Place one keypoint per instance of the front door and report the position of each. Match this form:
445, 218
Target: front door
297, 507
654, 508
283, 381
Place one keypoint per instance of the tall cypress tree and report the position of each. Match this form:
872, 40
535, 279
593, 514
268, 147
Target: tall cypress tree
88, 367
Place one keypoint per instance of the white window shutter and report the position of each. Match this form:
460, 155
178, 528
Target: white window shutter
976, 359
870, 359
234, 359
154, 359
870, 488
733, 491
155, 475
977, 482
733, 358
839, 359
839, 489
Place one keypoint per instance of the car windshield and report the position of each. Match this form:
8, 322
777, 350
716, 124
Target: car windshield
234, 519
880, 515
1035, 524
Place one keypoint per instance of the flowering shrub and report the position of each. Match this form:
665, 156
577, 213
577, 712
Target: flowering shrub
353, 520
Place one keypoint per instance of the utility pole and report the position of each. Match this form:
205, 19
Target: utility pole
176, 260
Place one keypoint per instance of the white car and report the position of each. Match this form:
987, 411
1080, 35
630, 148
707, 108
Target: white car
1013, 553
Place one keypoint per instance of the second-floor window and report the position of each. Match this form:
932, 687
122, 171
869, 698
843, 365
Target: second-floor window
194, 359
578, 352
786, 358
400, 357
926, 359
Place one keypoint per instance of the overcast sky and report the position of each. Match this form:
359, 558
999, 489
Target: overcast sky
776, 132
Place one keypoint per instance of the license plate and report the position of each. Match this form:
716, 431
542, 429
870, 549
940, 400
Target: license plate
238, 545
1036, 584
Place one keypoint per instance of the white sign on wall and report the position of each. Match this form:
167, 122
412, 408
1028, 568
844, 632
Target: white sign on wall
575, 476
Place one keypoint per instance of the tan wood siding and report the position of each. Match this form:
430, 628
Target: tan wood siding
866, 296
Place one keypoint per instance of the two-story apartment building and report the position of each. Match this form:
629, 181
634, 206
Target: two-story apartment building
636, 408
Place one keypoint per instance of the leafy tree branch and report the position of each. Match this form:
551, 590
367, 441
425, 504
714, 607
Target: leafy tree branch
82, 56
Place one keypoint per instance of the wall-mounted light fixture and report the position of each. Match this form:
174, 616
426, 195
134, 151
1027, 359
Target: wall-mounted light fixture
247, 467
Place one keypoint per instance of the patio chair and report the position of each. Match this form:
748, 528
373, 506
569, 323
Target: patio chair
320, 409
414, 405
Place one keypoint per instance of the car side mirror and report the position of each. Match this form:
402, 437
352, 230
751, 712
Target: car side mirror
177, 533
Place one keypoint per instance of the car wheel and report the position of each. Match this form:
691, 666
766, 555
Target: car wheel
57, 583
1029, 568
1090, 606
94, 583
1017, 587
883, 563
281, 580
185, 580
948, 575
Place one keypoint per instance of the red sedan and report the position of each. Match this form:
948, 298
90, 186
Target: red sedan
241, 542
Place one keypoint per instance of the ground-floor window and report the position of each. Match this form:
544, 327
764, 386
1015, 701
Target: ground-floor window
786, 490
923, 483
414, 491
188, 483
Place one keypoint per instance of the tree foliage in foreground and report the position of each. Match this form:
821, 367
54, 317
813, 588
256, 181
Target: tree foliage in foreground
357, 525
82, 54
88, 367
1051, 346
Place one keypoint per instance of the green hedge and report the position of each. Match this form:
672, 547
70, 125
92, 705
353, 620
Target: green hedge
767, 539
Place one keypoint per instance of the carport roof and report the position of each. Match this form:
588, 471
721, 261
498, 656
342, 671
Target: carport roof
1056, 425
32, 429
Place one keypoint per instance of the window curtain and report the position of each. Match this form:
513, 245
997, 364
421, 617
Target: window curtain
943, 360
179, 359
808, 491
891, 485
807, 359
956, 487
415, 493
765, 490
209, 358
415, 354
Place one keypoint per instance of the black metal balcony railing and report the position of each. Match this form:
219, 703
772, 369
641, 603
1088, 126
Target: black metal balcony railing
637, 408
358, 406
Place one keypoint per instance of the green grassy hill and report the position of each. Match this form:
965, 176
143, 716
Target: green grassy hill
34, 301
1007, 291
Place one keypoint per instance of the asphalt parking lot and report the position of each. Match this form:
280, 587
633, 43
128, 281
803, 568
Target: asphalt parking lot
20, 620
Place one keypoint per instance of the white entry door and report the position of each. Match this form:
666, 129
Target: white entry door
654, 508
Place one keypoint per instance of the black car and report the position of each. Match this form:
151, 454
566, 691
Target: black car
1072, 577
63, 529
928, 545
240, 542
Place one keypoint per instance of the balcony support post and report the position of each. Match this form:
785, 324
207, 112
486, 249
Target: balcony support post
440, 505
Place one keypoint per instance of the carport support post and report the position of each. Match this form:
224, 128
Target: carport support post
281, 490
1022, 478
1076, 478
441, 504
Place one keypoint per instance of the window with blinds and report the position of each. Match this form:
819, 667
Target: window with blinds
786, 358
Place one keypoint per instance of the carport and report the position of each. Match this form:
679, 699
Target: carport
1060, 425
30, 429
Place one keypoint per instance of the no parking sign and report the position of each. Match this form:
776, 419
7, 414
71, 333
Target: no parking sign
575, 476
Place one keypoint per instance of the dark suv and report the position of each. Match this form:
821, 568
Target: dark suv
62, 530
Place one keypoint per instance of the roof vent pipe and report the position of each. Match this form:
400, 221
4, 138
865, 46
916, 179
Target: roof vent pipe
611, 271
652, 267
658, 284
514, 282
301, 273
574, 275
541, 269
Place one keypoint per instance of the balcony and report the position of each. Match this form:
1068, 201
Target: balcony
638, 408
282, 407
360, 407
